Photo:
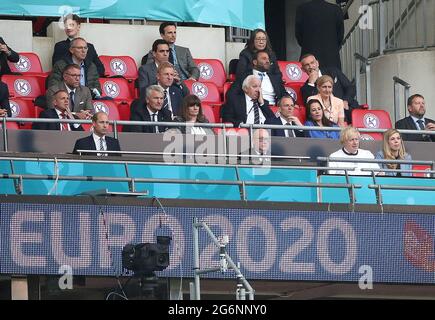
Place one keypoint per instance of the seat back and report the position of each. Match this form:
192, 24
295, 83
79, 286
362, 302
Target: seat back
292, 72
119, 66
232, 68
371, 119
421, 167
294, 89
212, 70
23, 86
10, 125
29, 63
227, 86
207, 92
108, 107
209, 113
116, 88
21, 108
233, 131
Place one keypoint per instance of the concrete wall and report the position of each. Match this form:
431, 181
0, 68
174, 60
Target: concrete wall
416, 68
17, 34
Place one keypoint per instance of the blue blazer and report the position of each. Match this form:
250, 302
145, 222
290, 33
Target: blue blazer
407, 166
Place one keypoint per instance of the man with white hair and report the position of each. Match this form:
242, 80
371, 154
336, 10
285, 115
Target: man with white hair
248, 106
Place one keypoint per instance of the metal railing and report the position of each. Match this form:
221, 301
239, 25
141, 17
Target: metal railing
389, 25
237, 34
406, 86
359, 62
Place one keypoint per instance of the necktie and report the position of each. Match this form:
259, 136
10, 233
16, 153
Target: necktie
171, 55
101, 144
64, 126
420, 124
256, 112
290, 133
154, 118
261, 74
165, 100
71, 100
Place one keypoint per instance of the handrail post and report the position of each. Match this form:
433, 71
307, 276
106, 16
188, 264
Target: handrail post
368, 85
358, 78
407, 86
5, 136
381, 27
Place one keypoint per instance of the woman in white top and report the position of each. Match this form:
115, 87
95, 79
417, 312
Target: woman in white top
192, 113
333, 107
349, 139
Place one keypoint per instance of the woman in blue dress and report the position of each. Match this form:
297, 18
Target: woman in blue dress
316, 118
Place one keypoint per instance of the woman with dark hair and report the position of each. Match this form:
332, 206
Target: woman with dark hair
316, 118
191, 112
259, 40
394, 149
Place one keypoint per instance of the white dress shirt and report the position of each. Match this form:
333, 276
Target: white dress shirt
266, 86
250, 116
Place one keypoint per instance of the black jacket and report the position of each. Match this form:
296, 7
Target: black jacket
51, 114
4, 98
14, 57
88, 143
139, 112
409, 124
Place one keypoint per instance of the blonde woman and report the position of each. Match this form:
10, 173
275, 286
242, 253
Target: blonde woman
333, 107
394, 149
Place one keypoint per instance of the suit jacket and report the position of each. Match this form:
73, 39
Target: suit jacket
82, 97
14, 57
61, 49
147, 77
244, 65
275, 79
186, 66
409, 124
319, 29
91, 73
234, 109
88, 143
139, 112
176, 96
4, 98
280, 132
51, 114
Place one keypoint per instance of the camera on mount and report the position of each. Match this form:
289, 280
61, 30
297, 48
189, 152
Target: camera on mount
145, 258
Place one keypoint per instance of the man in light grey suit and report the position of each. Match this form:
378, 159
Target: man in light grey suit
79, 96
179, 56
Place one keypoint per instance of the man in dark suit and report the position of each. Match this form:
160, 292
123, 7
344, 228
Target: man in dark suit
286, 107
260, 152
319, 29
173, 94
72, 30
88, 71
60, 110
179, 56
152, 110
416, 120
80, 97
342, 88
6, 54
272, 86
99, 139
5, 108
247, 107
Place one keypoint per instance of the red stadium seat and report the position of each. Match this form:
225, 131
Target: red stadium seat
294, 89
233, 131
371, 119
23, 109
301, 113
120, 66
274, 109
212, 70
207, 92
116, 88
292, 72
29, 63
10, 125
24, 86
421, 167
108, 107
209, 113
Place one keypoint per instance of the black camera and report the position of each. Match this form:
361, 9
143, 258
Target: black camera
145, 258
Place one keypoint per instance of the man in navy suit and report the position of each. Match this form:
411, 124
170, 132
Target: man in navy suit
149, 110
5, 108
173, 94
416, 120
98, 140
60, 110
286, 107
247, 107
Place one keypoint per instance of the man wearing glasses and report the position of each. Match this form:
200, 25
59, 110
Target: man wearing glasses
80, 99
88, 71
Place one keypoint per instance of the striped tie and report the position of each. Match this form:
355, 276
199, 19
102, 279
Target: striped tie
256, 112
